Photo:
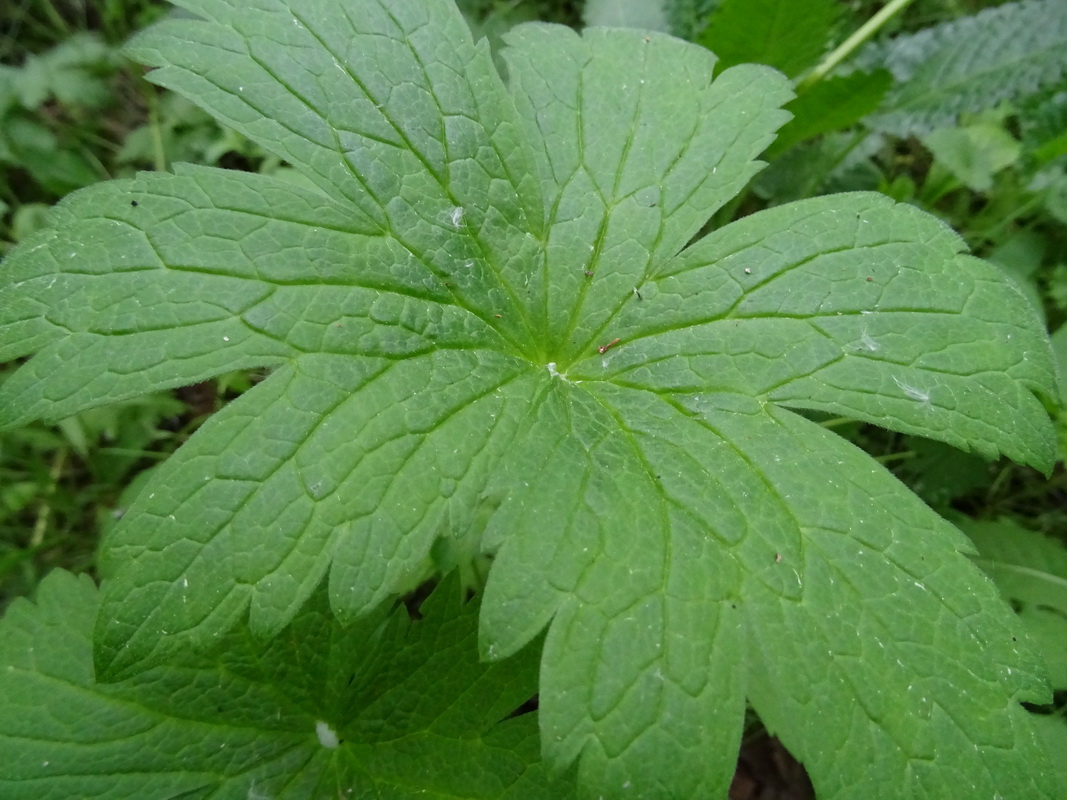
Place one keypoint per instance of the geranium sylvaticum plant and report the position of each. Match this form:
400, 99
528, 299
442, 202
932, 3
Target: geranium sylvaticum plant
495, 325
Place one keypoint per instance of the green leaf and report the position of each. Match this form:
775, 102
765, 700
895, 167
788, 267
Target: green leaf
29, 218
1043, 123
1047, 630
58, 166
970, 64
688, 18
786, 34
1027, 566
1020, 255
74, 72
645, 14
831, 105
489, 304
940, 474
1053, 732
1055, 190
1059, 347
387, 708
974, 153
842, 161
1030, 569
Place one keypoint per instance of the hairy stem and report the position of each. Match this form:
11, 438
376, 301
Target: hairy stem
847, 47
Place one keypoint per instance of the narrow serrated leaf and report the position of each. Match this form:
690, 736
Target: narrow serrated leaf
688, 18
644, 14
970, 64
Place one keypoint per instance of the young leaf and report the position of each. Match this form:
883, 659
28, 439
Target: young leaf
490, 301
387, 708
974, 153
970, 64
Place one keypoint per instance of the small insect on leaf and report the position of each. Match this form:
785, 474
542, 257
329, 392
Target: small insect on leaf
605, 347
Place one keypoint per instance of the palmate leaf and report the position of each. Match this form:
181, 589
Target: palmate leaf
488, 308
388, 708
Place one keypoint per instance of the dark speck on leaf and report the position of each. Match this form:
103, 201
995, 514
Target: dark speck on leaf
134, 203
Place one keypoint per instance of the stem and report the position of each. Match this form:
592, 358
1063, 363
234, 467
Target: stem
991, 233
44, 510
889, 458
847, 47
836, 422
